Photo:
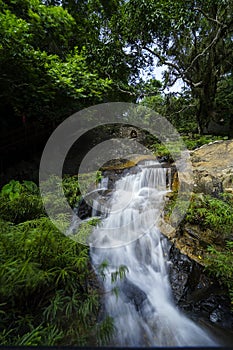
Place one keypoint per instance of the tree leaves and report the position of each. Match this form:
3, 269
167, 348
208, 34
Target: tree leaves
43, 69
191, 38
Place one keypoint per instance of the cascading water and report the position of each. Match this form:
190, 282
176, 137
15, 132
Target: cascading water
143, 310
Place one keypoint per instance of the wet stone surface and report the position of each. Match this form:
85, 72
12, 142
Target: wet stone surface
198, 294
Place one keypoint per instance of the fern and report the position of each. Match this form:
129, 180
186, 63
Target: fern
120, 273
220, 262
105, 331
216, 214
46, 298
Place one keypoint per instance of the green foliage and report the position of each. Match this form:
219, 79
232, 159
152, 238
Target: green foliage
220, 262
119, 273
84, 230
170, 151
45, 277
77, 186
213, 213
160, 150
45, 73
196, 140
180, 109
173, 149
14, 188
71, 189
105, 329
190, 39
20, 201
98, 176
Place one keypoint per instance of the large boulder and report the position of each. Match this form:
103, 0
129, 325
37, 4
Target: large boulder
213, 167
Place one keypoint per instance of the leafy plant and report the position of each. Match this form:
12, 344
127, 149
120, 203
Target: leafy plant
119, 273
84, 230
220, 262
196, 140
45, 290
215, 213
71, 189
105, 330
20, 201
98, 176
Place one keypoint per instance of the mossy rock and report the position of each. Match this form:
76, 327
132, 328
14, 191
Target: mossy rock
124, 163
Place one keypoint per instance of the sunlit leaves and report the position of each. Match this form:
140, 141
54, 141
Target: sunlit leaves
43, 73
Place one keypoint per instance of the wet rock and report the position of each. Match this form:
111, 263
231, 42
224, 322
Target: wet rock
197, 293
215, 316
133, 294
179, 273
133, 170
113, 176
83, 210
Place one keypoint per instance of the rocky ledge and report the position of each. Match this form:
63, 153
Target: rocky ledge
194, 290
213, 167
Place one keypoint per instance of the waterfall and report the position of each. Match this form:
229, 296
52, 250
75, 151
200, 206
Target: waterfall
142, 308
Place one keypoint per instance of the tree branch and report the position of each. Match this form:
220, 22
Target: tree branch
204, 51
168, 63
125, 91
180, 74
182, 109
207, 17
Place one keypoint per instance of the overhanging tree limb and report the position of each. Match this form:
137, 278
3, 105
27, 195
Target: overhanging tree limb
207, 17
179, 75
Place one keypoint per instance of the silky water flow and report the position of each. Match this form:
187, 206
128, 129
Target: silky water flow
142, 308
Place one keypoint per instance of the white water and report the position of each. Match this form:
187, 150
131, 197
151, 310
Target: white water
144, 312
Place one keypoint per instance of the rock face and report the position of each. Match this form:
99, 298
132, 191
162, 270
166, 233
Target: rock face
197, 293
213, 167
194, 291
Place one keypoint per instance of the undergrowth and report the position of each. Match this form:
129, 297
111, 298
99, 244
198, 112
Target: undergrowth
46, 280
171, 150
213, 213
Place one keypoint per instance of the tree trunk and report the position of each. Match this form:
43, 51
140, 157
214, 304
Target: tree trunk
205, 114
206, 95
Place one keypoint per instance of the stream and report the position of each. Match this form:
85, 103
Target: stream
128, 240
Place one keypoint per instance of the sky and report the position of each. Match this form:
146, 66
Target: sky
158, 74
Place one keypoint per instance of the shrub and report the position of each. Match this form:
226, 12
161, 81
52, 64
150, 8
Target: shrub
213, 213
220, 262
20, 201
46, 280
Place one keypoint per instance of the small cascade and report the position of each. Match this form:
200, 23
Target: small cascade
143, 311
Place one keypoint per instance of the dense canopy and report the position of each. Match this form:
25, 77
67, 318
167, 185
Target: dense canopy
59, 56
